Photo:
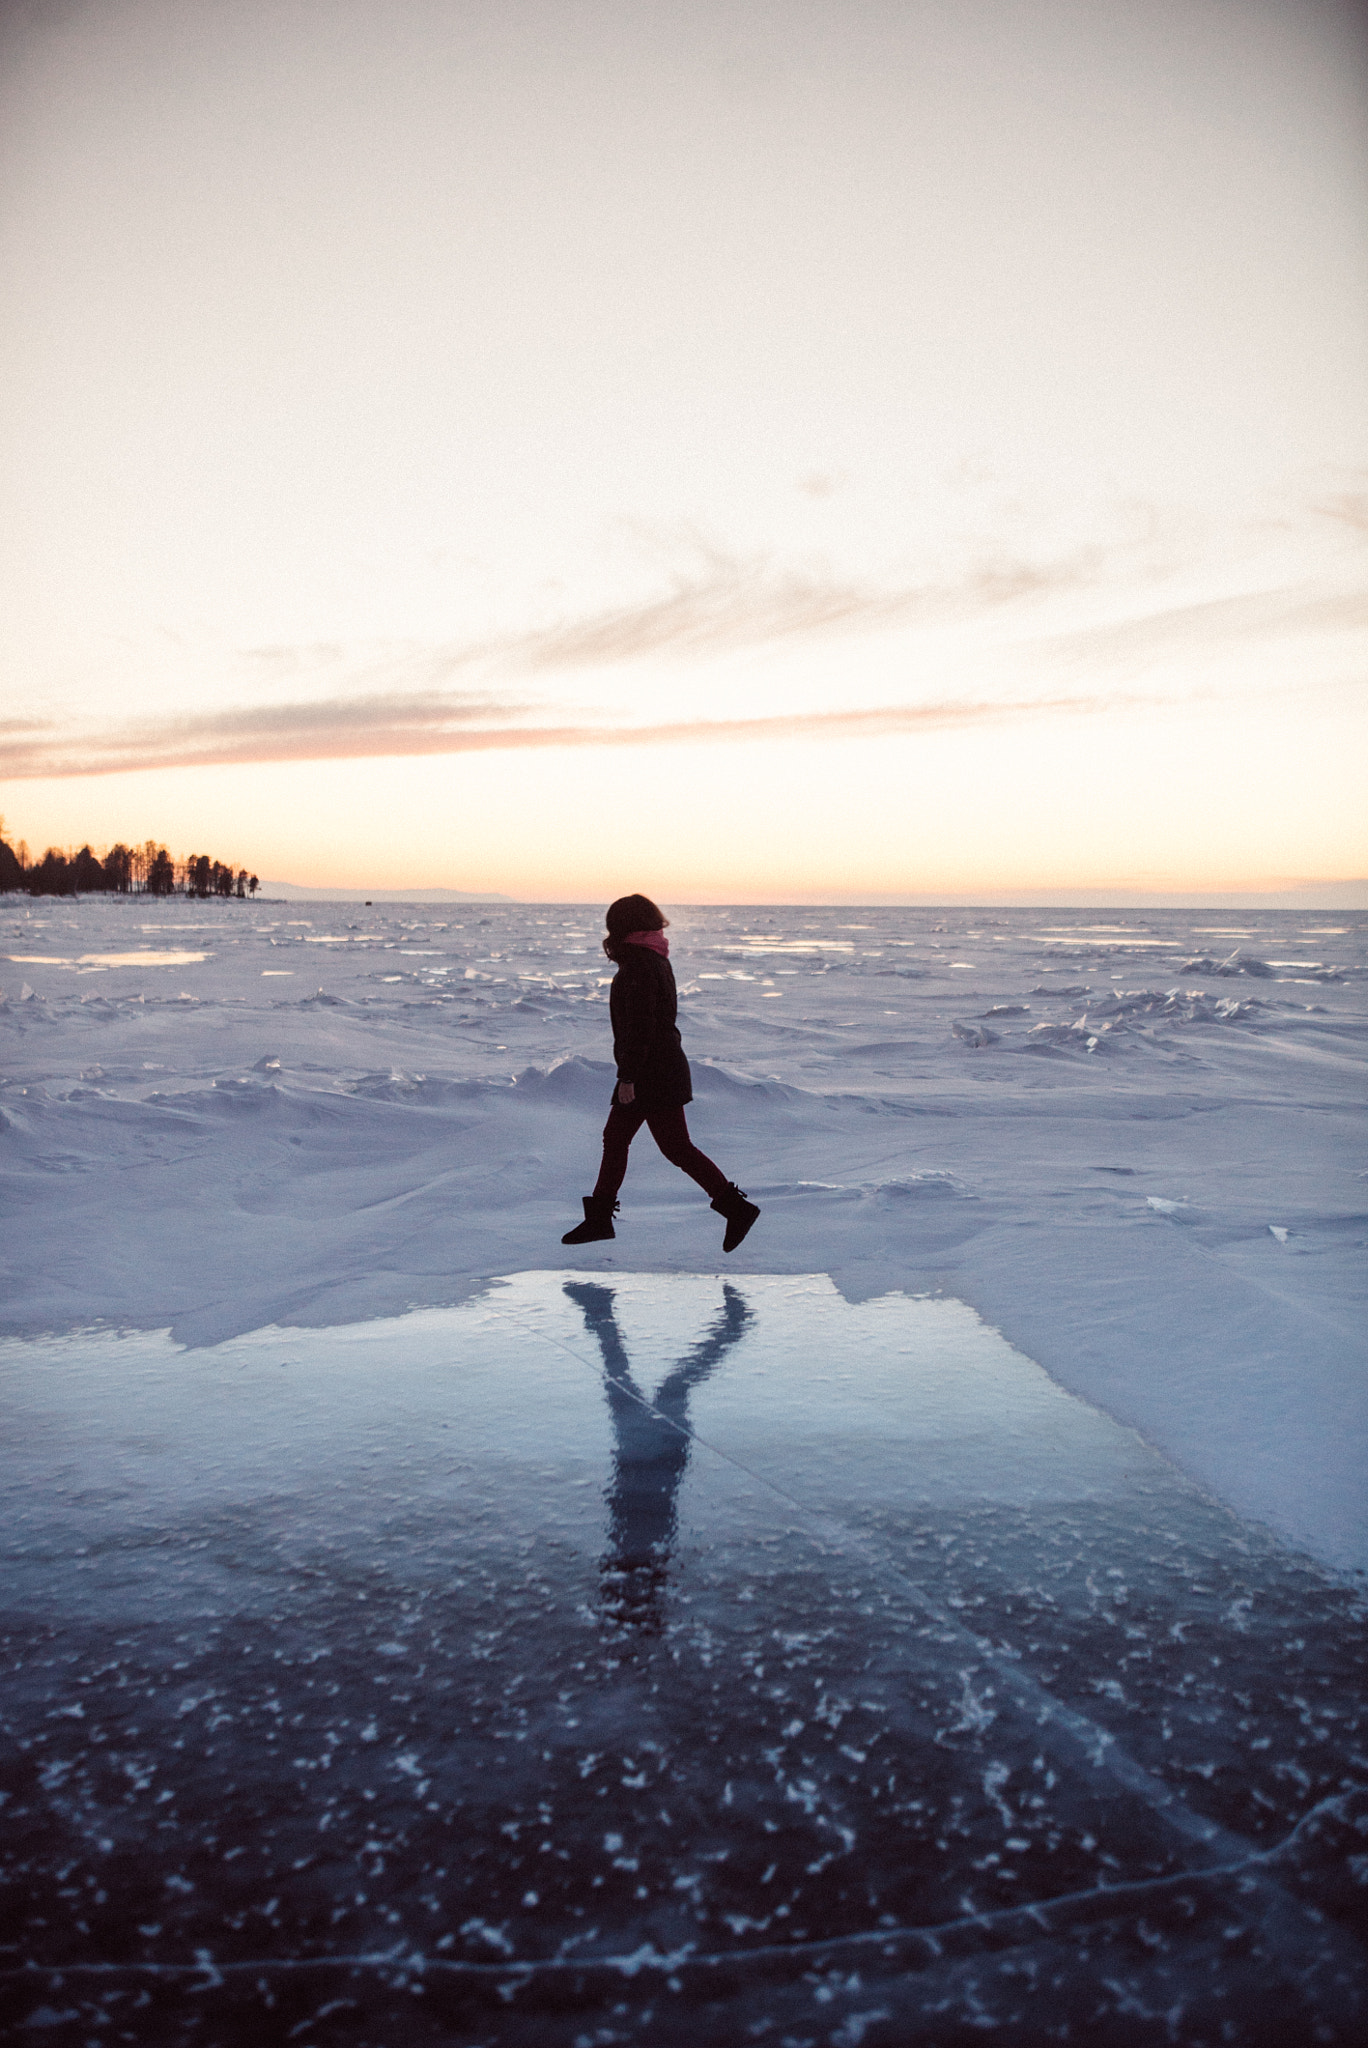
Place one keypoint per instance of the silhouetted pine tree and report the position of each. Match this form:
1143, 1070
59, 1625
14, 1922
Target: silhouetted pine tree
52, 876
118, 867
87, 875
161, 876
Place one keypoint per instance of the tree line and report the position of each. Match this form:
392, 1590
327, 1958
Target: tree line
146, 870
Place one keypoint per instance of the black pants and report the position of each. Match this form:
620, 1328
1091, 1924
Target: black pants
670, 1131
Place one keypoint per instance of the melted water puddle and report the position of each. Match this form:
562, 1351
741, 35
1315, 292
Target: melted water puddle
147, 956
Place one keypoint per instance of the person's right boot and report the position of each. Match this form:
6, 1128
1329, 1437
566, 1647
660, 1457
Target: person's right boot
599, 1211
739, 1212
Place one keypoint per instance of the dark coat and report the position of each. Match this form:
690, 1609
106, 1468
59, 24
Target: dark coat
646, 1041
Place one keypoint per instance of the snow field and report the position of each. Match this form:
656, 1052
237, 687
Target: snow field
1134, 1146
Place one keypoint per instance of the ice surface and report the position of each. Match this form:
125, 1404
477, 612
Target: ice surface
654, 1658
1093, 1130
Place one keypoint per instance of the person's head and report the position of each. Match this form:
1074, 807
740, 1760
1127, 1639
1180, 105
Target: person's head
630, 914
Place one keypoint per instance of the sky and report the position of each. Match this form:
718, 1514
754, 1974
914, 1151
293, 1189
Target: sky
737, 451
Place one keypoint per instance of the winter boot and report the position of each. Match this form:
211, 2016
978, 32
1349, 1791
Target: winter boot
599, 1211
740, 1215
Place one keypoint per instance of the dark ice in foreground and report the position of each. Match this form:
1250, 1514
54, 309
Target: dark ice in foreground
655, 1658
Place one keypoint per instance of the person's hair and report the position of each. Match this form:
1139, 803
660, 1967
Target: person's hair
630, 914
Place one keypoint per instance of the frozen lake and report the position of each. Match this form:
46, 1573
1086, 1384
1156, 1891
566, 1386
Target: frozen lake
949, 1615
677, 1658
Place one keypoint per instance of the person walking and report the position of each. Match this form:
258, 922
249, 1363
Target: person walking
653, 1079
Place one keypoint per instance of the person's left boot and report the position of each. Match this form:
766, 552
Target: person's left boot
599, 1211
740, 1215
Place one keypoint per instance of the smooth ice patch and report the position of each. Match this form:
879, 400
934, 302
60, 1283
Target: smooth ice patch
895, 1401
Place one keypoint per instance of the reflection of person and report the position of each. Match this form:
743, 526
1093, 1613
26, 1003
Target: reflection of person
650, 1451
653, 1082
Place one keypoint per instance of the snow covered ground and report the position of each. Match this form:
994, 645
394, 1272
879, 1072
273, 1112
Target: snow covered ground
1133, 1143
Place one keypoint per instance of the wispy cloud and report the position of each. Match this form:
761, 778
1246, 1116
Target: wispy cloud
721, 604
410, 699
1212, 622
348, 729
336, 728
729, 604
464, 697
1350, 508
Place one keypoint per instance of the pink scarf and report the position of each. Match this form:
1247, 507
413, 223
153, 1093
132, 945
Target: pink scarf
657, 942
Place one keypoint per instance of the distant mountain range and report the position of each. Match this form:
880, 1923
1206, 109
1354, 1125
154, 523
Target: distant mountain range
1308, 896
293, 892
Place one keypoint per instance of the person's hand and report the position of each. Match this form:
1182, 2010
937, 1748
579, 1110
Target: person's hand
626, 1092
